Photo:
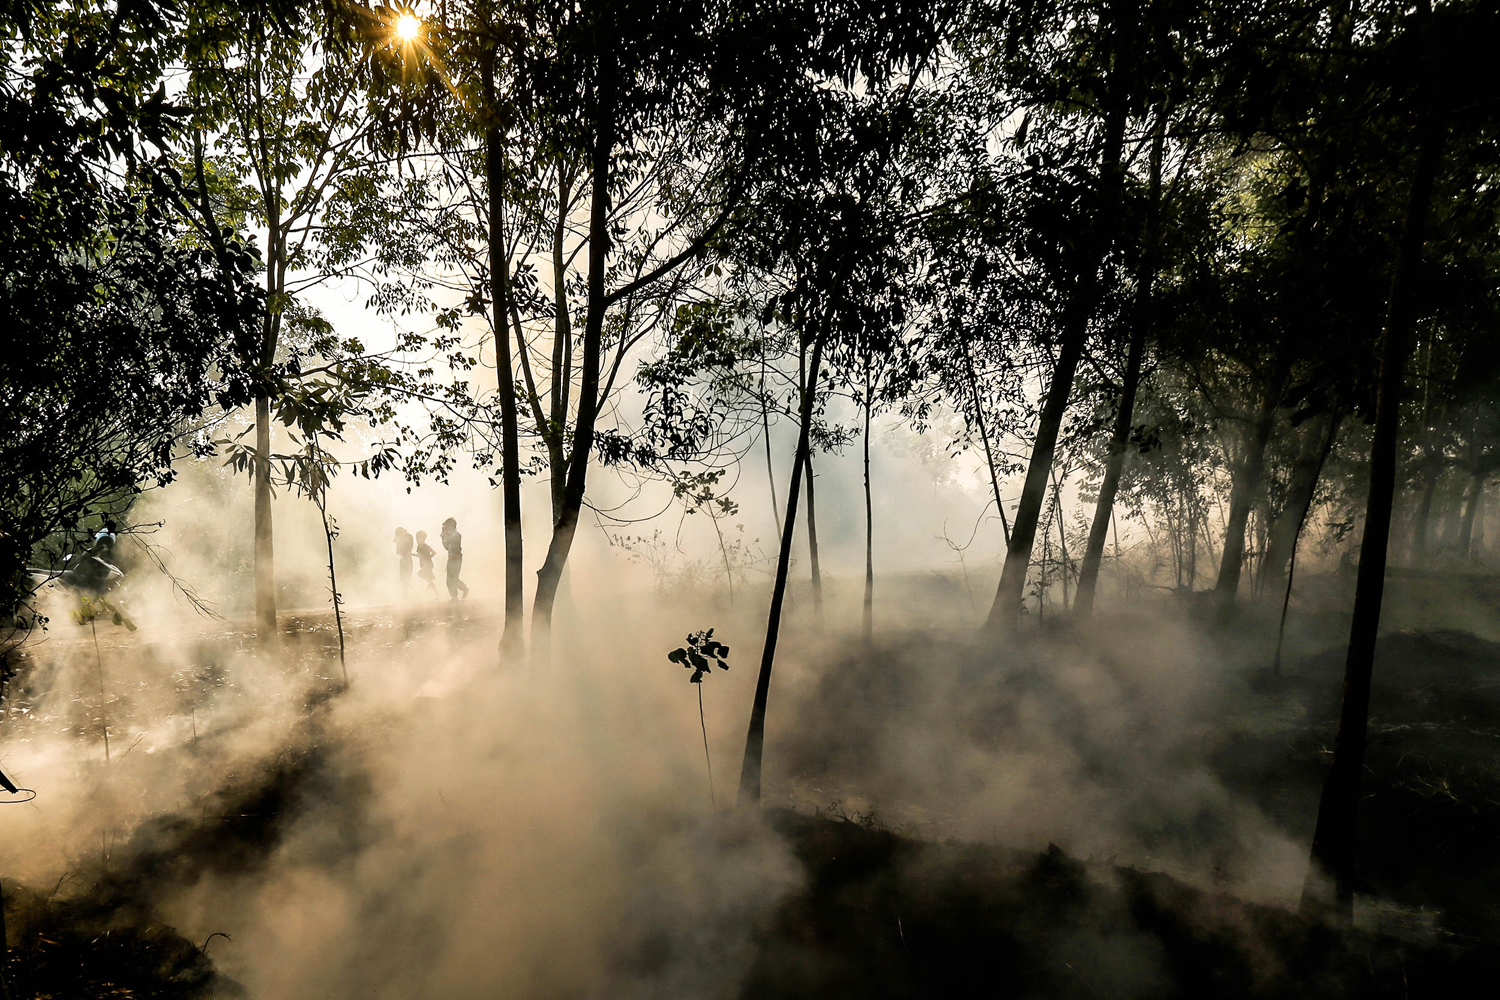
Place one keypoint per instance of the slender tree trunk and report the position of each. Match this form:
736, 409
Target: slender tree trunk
1335, 841
755, 737
1109, 486
1291, 565
869, 610
1119, 439
1421, 534
1190, 550
1255, 558
1241, 498
984, 437
562, 347
812, 506
566, 527
1471, 509
765, 436
333, 588
1008, 594
1062, 538
511, 643
1282, 538
1082, 302
265, 549
812, 537
1453, 518
1479, 518
724, 554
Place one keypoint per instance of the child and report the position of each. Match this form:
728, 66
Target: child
425, 553
403, 568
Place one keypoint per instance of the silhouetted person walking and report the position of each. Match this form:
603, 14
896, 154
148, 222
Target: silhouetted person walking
453, 542
425, 553
403, 550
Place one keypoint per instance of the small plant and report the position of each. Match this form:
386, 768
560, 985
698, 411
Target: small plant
700, 655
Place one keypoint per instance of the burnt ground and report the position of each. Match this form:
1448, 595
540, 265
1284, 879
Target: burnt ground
1430, 812
886, 915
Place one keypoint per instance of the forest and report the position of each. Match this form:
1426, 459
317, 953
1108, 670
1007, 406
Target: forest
1135, 359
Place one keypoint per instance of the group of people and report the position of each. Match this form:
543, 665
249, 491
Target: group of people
453, 545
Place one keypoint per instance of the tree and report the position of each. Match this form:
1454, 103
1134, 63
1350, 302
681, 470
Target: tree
833, 229
118, 324
1139, 323
1090, 186
279, 142
1436, 49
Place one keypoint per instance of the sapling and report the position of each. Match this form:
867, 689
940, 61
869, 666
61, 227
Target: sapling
700, 655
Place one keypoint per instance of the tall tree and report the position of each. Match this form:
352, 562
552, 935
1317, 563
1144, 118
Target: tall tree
1335, 837
279, 142
833, 227
1111, 31
1140, 322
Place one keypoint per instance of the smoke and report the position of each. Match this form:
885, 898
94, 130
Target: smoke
1105, 742
441, 828
446, 828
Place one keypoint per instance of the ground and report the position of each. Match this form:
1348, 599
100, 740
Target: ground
890, 908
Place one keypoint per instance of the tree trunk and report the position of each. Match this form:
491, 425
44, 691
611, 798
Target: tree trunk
1282, 538
566, 527
333, 587
1119, 439
562, 347
1062, 537
1479, 519
1190, 550
984, 437
1421, 525
869, 610
755, 737
265, 550
1241, 497
765, 430
1012, 585
812, 538
1075, 327
812, 506
1453, 517
1291, 563
1471, 509
510, 446
1335, 840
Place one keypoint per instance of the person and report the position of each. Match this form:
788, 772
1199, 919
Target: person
403, 550
425, 553
453, 542
104, 542
93, 572
93, 575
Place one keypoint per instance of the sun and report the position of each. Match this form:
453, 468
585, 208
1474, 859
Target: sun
408, 27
